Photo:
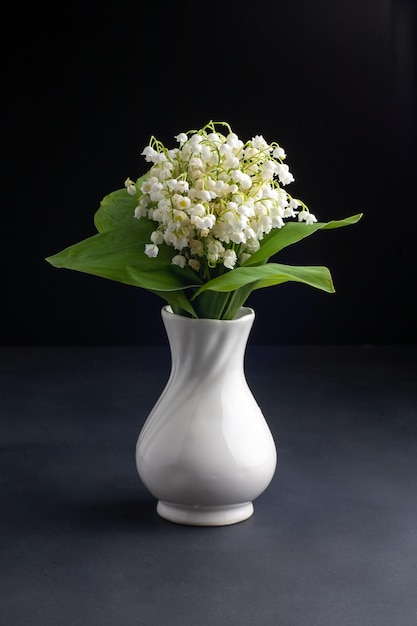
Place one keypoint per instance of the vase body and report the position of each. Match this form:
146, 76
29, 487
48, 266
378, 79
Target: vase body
205, 451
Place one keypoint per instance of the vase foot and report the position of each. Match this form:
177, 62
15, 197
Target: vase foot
195, 515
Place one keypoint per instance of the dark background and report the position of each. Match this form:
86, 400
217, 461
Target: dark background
85, 85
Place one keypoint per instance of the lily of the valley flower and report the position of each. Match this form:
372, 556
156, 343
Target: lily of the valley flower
215, 197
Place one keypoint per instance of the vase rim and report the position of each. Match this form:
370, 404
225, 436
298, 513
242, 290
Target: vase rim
244, 313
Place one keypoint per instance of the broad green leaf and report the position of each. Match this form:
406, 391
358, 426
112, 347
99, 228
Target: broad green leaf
348, 221
178, 301
117, 209
168, 279
118, 255
268, 275
128, 240
235, 300
292, 232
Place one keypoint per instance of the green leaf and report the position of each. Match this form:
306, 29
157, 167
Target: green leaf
128, 241
163, 279
235, 300
348, 221
268, 275
117, 209
211, 305
118, 255
178, 301
292, 232
221, 305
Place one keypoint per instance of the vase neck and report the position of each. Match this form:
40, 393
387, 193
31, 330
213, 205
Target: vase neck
200, 343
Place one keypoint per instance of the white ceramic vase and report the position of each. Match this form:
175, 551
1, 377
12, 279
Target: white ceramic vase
205, 451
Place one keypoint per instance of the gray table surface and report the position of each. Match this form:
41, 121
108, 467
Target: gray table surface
333, 540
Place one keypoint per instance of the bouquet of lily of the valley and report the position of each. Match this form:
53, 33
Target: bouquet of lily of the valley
200, 226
